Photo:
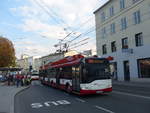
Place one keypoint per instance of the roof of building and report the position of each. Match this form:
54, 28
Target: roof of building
52, 54
102, 6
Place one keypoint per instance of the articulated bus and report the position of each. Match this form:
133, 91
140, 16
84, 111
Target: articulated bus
78, 74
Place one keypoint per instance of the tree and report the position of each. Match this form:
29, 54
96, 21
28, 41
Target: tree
7, 53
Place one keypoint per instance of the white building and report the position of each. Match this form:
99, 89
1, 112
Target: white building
51, 58
37, 64
27, 62
123, 31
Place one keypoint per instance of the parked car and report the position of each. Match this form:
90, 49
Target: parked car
2, 78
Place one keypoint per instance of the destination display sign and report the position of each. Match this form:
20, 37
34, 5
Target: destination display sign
95, 61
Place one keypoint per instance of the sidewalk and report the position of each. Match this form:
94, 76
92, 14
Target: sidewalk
137, 82
7, 94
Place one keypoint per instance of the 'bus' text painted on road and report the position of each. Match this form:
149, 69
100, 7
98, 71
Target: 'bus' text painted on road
50, 103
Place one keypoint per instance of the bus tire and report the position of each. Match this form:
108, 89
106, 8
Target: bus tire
68, 88
52, 84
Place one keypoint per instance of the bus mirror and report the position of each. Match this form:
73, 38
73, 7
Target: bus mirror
95, 56
110, 58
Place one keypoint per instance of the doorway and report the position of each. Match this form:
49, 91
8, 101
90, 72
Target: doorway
126, 71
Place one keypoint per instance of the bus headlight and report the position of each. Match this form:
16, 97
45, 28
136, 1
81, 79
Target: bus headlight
84, 87
109, 86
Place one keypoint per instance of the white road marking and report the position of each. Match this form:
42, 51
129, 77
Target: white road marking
104, 109
80, 100
63, 102
122, 90
50, 103
36, 105
130, 94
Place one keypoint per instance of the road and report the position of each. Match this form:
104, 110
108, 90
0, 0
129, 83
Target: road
43, 99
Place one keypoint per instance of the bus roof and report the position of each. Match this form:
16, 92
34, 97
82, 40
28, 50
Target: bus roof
67, 61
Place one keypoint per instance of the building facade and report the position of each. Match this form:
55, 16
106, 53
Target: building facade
51, 58
28, 63
123, 32
25, 64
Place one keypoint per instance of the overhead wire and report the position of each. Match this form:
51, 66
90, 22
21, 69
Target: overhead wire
79, 45
54, 13
128, 26
117, 26
79, 42
47, 12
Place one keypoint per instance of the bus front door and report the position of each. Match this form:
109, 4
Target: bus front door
76, 79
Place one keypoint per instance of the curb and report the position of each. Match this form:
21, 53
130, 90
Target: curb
2, 83
12, 108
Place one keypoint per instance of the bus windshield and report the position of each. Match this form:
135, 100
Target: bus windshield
35, 74
95, 71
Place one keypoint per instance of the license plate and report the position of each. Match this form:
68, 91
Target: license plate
99, 92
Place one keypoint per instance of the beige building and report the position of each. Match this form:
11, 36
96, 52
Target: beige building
26, 62
37, 64
51, 58
122, 31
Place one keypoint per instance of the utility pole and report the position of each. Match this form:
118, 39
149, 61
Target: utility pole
64, 45
61, 46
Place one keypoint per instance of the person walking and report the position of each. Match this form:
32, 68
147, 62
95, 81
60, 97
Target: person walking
18, 80
11, 79
22, 80
8, 79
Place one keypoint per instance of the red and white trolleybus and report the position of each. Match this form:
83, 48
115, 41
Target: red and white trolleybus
78, 74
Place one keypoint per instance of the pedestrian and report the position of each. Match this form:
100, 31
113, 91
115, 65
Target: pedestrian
14, 79
11, 79
29, 80
17, 80
22, 79
8, 79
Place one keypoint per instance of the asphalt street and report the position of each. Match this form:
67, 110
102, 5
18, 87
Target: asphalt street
43, 99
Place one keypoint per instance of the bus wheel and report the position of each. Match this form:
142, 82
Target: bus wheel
52, 84
68, 89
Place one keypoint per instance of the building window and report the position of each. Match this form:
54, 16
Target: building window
122, 4
134, 1
139, 39
144, 68
123, 23
125, 43
104, 32
113, 46
111, 10
112, 28
103, 16
104, 49
136, 17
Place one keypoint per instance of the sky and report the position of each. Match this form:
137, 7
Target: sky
35, 26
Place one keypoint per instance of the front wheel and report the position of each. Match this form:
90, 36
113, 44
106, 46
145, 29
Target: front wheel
68, 89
